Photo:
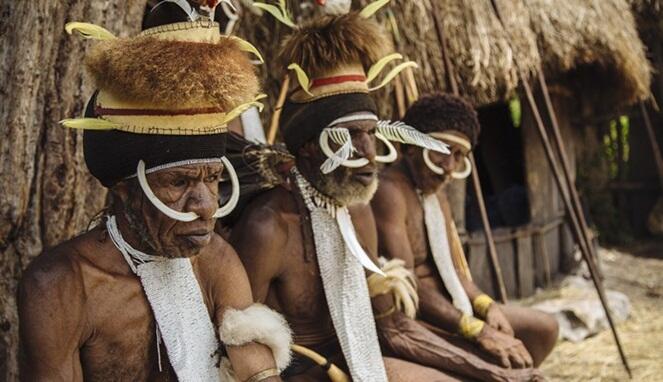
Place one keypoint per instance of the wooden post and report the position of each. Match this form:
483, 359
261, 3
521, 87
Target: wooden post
274, 125
654, 143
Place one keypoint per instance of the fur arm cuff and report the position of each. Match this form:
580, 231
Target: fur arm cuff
258, 323
400, 282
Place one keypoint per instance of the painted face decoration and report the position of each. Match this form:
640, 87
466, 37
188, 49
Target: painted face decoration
386, 131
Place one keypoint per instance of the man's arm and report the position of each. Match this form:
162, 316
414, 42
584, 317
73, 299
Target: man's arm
493, 315
234, 295
259, 240
496, 338
51, 310
390, 210
406, 337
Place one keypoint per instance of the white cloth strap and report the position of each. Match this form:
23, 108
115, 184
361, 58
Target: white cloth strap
346, 291
180, 312
341, 260
438, 241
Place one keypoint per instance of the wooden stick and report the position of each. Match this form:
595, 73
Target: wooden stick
492, 250
400, 97
274, 125
654, 143
566, 169
412, 90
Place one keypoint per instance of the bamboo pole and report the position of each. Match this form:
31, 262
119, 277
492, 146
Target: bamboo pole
274, 125
578, 232
566, 168
490, 241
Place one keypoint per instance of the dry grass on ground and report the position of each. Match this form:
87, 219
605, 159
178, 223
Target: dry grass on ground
596, 359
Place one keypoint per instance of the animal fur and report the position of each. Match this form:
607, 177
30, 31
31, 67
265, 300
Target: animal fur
331, 41
149, 70
258, 323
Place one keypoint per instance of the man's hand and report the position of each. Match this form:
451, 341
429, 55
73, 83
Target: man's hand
496, 318
507, 349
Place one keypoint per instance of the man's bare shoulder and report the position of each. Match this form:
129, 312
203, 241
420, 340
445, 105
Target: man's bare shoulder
53, 287
266, 216
219, 254
61, 265
392, 189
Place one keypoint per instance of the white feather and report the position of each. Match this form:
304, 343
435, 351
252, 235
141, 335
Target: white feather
350, 238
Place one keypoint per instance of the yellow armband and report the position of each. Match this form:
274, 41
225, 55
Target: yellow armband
481, 304
470, 327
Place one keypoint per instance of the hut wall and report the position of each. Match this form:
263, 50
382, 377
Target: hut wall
533, 254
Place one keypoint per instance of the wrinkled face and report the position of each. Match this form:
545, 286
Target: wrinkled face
346, 185
191, 188
453, 162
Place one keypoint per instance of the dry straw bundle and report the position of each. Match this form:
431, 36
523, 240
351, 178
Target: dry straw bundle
483, 54
596, 40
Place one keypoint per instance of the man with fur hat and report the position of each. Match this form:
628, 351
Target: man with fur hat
415, 225
153, 293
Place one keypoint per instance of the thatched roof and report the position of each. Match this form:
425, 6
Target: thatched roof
479, 48
481, 51
594, 43
592, 40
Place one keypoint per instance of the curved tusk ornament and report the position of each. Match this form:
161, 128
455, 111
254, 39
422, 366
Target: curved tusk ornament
392, 155
161, 206
226, 209
466, 171
440, 171
429, 163
190, 216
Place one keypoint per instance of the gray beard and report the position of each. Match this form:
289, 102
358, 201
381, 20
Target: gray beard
347, 192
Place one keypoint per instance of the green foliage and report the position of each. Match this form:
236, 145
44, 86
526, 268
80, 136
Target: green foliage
516, 111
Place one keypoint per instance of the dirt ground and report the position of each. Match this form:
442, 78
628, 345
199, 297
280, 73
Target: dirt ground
638, 272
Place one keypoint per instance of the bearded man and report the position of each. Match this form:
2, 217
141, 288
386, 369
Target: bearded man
153, 293
415, 225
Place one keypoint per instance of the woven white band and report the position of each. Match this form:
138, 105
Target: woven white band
364, 116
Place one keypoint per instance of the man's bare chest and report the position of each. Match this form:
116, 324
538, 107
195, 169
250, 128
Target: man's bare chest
416, 231
122, 344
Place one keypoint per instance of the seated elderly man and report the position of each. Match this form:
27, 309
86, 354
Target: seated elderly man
415, 225
153, 293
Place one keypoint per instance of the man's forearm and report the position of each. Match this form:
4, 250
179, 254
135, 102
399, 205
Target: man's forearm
409, 340
436, 309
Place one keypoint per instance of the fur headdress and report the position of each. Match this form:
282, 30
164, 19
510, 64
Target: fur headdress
334, 60
175, 79
329, 42
164, 97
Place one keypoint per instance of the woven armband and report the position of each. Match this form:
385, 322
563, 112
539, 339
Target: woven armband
481, 304
470, 327
398, 281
